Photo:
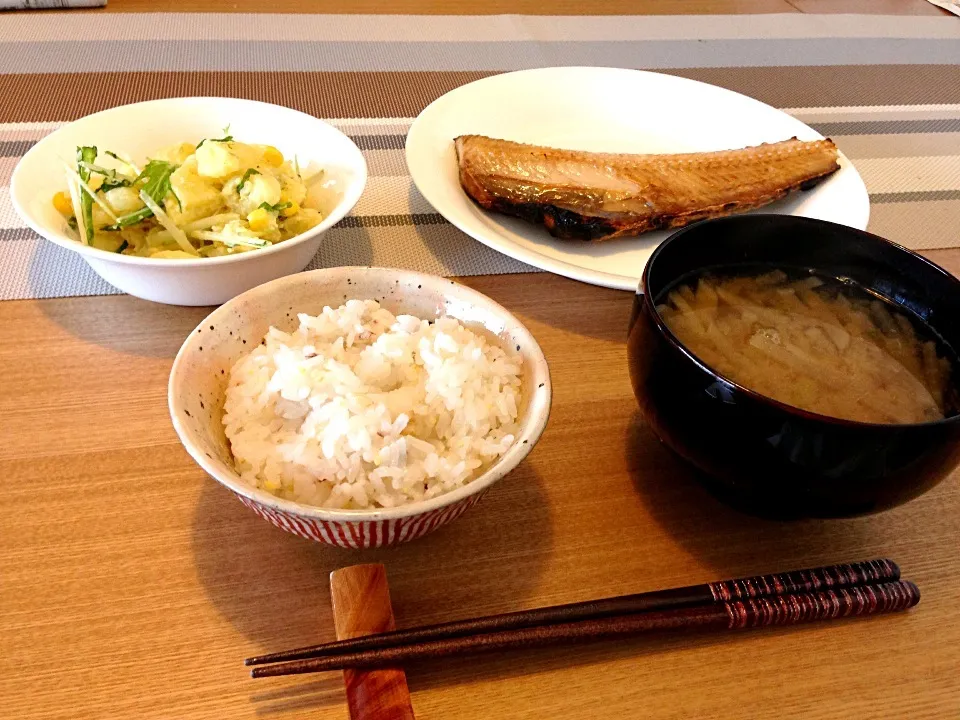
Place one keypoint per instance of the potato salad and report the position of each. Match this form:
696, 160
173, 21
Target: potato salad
218, 197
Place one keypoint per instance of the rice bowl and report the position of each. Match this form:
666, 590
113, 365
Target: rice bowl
199, 381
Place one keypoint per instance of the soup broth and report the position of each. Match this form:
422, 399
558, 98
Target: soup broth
815, 343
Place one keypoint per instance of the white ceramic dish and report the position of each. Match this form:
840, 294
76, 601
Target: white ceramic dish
199, 376
145, 127
603, 110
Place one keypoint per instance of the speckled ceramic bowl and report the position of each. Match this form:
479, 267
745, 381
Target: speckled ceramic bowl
199, 377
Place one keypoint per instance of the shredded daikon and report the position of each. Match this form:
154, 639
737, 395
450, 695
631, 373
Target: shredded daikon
209, 222
231, 240
75, 199
168, 224
91, 192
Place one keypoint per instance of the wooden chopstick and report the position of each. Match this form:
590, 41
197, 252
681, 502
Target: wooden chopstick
790, 609
797, 581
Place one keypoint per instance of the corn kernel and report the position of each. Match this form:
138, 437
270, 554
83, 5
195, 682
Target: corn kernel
292, 210
63, 204
259, 220
272, 156
95, 182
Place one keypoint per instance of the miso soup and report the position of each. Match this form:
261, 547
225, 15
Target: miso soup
815, 343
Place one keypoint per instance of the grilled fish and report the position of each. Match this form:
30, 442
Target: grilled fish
598, 196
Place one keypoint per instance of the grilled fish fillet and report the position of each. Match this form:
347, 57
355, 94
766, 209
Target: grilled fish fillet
598, 196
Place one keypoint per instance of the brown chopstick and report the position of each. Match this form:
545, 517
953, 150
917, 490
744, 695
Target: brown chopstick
797, 581
791, 609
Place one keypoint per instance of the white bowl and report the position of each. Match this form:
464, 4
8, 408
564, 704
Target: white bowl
142, 128
200, 372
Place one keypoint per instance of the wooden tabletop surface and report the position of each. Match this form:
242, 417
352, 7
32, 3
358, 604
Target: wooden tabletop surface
133, 585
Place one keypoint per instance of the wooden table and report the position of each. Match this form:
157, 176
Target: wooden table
133, 585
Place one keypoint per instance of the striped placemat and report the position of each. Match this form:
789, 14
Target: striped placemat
887, 89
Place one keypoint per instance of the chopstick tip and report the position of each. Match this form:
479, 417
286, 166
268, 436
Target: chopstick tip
286, 668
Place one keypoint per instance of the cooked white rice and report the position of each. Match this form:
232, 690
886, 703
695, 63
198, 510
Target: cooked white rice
360, 409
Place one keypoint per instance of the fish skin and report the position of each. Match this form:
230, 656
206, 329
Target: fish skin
599, 196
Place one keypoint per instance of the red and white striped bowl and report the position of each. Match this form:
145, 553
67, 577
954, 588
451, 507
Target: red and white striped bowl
200, 371
363, 533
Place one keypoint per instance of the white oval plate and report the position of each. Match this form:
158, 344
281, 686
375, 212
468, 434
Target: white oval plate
603, 110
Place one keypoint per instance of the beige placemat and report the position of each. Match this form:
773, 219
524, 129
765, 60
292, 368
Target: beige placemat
949, 5
887, 89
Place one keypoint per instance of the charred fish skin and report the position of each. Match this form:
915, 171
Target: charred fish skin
599, 196
560, 223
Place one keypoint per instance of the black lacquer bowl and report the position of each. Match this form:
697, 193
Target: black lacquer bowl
760, 455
